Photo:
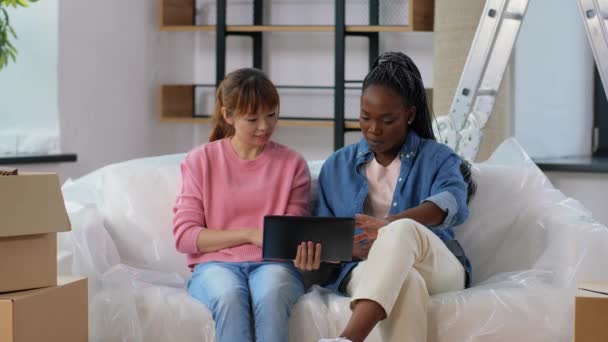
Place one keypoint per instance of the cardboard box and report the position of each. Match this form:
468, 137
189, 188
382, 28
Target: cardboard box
591, 313
51, 314
32, 211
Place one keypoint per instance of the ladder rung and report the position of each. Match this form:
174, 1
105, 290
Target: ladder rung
513, 16
487, 92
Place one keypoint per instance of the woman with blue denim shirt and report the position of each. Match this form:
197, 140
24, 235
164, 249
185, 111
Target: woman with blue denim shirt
406, 192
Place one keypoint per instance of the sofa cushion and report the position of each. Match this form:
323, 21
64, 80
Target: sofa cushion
136, 203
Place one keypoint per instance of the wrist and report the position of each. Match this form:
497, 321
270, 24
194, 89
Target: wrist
390, 219
249, 235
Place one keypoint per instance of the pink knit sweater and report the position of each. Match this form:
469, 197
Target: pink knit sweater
221, 191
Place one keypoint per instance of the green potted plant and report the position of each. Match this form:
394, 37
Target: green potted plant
7, 49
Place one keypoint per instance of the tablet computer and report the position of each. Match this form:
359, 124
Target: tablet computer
283, 234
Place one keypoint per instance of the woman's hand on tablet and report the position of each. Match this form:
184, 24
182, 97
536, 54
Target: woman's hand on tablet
308, 256
361, 246
370, 224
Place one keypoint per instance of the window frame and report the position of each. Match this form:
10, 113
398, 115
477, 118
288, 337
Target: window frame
600, 118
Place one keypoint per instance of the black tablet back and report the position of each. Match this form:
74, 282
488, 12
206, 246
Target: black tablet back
283, 234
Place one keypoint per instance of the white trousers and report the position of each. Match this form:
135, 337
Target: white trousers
406, 264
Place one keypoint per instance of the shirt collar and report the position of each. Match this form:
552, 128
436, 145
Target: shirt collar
408, 149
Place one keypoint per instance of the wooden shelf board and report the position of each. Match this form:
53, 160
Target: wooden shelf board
185, 120
286, 28
178, 15
351, 124
280, 28
380, 28
316, 123
187, 28
176, 106
305, 123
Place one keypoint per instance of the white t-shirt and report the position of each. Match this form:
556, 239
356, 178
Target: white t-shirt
381, 182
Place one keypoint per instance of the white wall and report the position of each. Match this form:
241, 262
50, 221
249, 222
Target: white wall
109, 70
553, 82
112, 58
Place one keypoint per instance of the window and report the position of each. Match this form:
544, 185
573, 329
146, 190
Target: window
600, 135
553, 82
29, 119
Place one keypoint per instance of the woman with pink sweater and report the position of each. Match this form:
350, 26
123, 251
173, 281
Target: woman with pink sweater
228, 186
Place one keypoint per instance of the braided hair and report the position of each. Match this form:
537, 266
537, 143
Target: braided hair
399, 73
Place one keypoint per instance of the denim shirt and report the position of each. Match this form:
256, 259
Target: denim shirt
430, 171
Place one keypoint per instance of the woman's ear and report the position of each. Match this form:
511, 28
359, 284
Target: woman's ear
411, 116
227, 117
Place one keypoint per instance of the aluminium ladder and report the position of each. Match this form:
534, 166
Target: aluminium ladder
487, 61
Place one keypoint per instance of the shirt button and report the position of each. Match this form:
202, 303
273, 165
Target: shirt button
400, 179
395, 204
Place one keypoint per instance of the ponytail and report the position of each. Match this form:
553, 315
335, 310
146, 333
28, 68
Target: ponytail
221, 128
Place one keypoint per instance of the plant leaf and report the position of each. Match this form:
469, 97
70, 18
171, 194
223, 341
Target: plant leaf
5, 16
3, 61
13, 55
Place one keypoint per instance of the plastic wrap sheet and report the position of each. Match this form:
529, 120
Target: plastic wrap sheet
528, 243
128, 303
131, 296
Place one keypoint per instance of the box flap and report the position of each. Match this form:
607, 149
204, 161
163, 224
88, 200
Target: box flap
21, 295
65, 280
32, 203
592, 289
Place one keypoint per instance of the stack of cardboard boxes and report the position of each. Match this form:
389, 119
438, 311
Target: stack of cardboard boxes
36, 305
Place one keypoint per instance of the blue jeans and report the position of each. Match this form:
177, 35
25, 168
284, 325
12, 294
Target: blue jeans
234, 292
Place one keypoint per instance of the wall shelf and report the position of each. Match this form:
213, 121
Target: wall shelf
286, 122
177, 103
188, 28
289, 28
179, 15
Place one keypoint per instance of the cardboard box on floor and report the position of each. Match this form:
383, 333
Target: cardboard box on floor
591, 313
32, 211
51, 314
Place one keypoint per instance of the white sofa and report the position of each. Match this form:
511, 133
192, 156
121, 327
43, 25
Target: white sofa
528, 243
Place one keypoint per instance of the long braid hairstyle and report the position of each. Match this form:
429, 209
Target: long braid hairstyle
398, 72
